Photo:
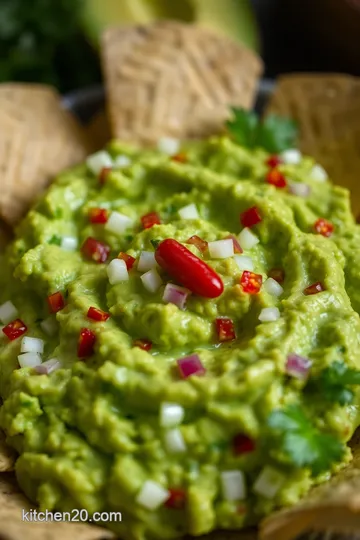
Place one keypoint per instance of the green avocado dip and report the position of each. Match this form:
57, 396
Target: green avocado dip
186, 412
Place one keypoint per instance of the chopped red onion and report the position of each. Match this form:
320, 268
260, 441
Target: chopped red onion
48, 367
298, 366
190, 365
173, 294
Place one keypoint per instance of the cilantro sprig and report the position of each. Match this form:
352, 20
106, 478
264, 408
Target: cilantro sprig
334, 382
273, 133
302, 443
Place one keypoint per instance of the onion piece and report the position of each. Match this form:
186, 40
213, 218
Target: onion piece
318, 173
244, 263
233, 485
190, 365
189, 212
291, 157
298, 366
248, 239
8, 312
151, 280
221, 249
269, 314
29, 359
273, 287
69, 243
31, 344
169, 145
118, 223
300, 189
49, 325
146, 261
152, 495
174, 441
98, 161
174, 294
122, 161
117, 271
48, 367
269, 482
171, 414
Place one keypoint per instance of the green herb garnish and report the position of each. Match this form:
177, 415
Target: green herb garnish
333, 383
302, 442
155, 243
58, 213
55, 239
129, 238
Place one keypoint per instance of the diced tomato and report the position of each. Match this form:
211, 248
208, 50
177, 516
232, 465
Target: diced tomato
104, 174
15, 329
180, 157
95, 250
177, 498
242, 444
324, 227
98, 215
129, 260
150, 219
144, 344
237, 247
314, 288
250, 217
273, 161
97, 314
225, 329
276, 178
198, 242
278, 274
251, 282
56, 302
86, 343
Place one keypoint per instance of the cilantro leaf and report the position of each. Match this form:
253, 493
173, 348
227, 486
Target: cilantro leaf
155, 243
243, 127
334, 381
55, 239
302, 442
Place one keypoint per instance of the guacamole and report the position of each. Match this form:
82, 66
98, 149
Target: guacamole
187, 408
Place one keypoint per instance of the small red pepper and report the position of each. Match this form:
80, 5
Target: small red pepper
242, 444
273, 161
150, 219
56, 302
314, 288
278, 274
144, 344
201, 244
187, 269
14, 329
97, 314
98, 215
251, 282
86, 343
180, 157
225, 329
276, 178
129, 260
250, 217
177, 498
95, 250
324, 227
104, 174
237, 247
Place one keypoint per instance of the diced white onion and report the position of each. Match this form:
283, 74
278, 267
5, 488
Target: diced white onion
269, 314
291, 157
49, 325
98, 161
152, 495
272, 287
31, 344
122, 161
233, 485
269, 482
171, 414
146, 261
169, 145
48, 367
318, 173
117, 271
300, 189
189, 212
174, 441
8, 312
69, 243
151, 280
244, 263
221, 249
29, 359
118, 223
248, 239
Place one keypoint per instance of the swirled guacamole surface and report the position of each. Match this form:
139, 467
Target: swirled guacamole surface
253, 436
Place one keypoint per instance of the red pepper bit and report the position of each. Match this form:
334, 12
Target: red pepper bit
144, 344
201, 244
95, 250
250, 217
56, 302
225, 329
324, 227
273, 161
14, 329
98, 215
177, 498
180, 157
104, 174
314, 288
242, 444
129, 260
237, 247
250, 282
150, 219
278, 274
97, 314
86, 343
276, 178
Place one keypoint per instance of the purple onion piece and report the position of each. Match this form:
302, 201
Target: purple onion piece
48, 367
298, 366
190, 365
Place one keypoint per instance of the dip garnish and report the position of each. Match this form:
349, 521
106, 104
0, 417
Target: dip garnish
181, 157
173, 294
144, 344
314, 288
242, 444
250, 217
334, 381
104, 174
95, 250
98, 215
56, 302
97, 314
276, 178
15, 329
129, 260
225, 329
251, 282
177, 498
237, 247
278, 274
298, 366
198, 242
86, 343
273, 161
190, 365
149, 220
324, 227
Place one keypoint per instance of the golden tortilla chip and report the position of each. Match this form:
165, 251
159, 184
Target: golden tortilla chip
38, 138
98, 131
174, 79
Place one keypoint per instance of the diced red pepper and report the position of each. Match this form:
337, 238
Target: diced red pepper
242, 444
180, 157
104, 174
225, 329
177, 498
15, 329
129, 260
250, 217
56, 302
273, 161
314, 288
201, 244
95, 250
187, 269
324, 227
150, 219
98, 215
278, 274
250, 282
86, 343
237, 247
144, 344
276, 178
97, 314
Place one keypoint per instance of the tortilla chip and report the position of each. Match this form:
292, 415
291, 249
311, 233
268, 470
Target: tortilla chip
98, 131
174, 79
38, 138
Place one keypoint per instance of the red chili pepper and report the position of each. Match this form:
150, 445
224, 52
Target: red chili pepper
56, 302
177, 498
242, 444
278, 274
97, 314
324, 227
201, 244
188, 270
250, 217
95, 250
276, 178
129, 260
15, 329
250, 282
144, 344
98, 215
86, 343
225, 329
314, 288
180, 157
237, 247
273, 161
104, 174
150, 219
